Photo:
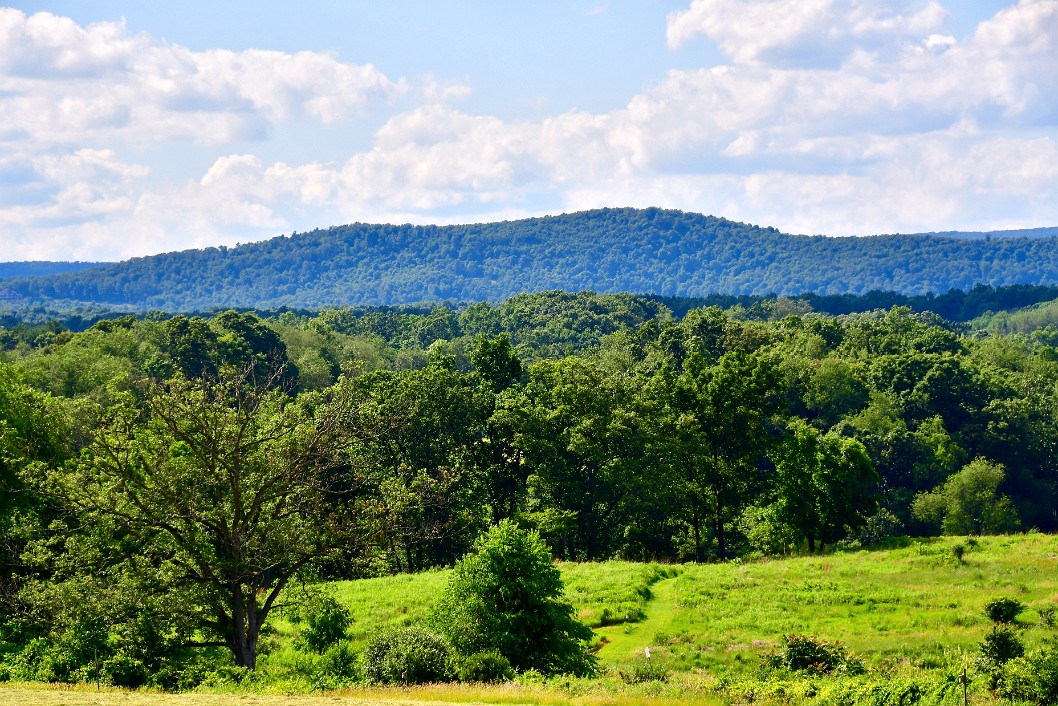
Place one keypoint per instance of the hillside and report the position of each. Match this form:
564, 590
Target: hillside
669, 253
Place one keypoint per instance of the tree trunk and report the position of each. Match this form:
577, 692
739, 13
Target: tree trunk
721, 545
245, 626
696, 522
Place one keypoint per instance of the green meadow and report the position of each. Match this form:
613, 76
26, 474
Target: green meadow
913, 614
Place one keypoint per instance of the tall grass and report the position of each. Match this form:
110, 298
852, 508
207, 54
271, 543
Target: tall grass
612, 592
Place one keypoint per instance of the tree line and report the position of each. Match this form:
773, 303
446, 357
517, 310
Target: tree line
170, 481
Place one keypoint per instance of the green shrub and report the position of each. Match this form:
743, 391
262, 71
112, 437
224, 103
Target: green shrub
412, 654
807, 653
1047, 616
323, 622
124, 670
880, 528
1032, 679
1003, 610
488, 666
507, 595
1000, 646
183, 675
341, 661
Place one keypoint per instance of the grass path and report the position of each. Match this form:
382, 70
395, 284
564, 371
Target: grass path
627, 641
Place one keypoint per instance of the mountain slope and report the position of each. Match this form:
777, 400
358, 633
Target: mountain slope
609, 250
39, 268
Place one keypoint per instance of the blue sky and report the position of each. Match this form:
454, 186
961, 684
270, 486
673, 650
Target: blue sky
133, 128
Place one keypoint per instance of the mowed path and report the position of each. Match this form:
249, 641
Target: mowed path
663, 616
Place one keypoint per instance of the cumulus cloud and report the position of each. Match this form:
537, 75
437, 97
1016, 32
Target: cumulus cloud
903, 128
802, 31
64, 83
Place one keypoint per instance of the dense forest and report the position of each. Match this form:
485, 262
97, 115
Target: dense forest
650, 251
168, 479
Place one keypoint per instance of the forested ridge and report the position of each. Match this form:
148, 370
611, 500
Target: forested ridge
649, 251
39, 268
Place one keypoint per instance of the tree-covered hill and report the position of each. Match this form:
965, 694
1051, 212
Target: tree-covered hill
989, 234
664, 252
38, 268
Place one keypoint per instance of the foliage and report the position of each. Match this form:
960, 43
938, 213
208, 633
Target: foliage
969, 502
825, 484
807, 653
879, 528
1003, 610
1000, 645
627, 433
584, 436
488, 666
722, 414
411, 655
506, 595
324, 622
1033, 678
225, 490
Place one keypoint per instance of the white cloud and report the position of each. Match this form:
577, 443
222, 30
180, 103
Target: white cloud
63, 83
903, 129
801, 31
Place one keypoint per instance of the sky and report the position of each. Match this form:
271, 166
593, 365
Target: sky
132, 128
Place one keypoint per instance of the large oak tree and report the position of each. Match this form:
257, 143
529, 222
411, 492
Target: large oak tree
227, 488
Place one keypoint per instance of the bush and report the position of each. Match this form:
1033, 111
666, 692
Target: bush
506, 595
1000, 646
806, 653
880, 527
1033, 679
411, 654
341, 661
488, 666
1003, 610
124, 670
324, 622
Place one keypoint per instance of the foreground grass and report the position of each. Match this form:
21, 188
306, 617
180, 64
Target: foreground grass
469, 695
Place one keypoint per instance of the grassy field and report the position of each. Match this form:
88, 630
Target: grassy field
918, 605
913, 614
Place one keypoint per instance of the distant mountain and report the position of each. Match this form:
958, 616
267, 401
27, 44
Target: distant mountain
989, 234
664, 252
39, 268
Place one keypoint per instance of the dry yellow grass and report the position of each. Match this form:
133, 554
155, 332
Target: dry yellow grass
466, 694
